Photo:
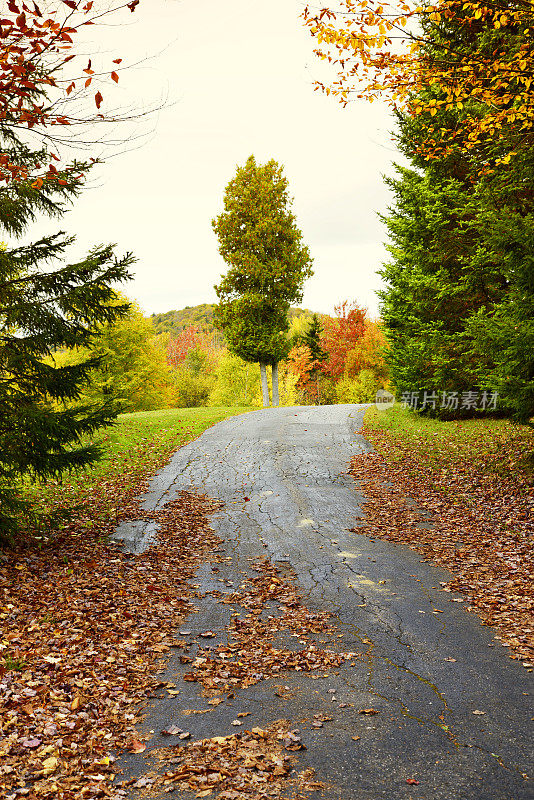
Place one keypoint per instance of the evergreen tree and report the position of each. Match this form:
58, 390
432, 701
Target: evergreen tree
441, 272
312, 339
268, 264
460, 289
45, 307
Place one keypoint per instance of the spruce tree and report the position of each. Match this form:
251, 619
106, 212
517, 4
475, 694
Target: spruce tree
268, 264
460, 293
46, 306
312, 339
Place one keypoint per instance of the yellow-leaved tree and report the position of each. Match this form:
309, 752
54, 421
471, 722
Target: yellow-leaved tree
474, 60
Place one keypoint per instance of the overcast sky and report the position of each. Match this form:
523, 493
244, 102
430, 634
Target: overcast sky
238, 79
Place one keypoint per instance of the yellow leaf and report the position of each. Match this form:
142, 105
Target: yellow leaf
50, 765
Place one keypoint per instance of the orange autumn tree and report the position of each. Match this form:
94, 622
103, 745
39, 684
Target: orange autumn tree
302, 364
472, 59
368, 354
341, 335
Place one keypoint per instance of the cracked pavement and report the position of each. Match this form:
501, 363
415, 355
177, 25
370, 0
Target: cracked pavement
425, 665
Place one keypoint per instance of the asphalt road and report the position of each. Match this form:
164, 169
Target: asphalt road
292, 464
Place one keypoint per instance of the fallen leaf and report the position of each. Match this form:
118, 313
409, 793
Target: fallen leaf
172, 730
136, 746
50, 765
31, 743
74, 706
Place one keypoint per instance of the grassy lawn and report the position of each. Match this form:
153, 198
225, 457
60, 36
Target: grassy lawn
134, 449
494, 446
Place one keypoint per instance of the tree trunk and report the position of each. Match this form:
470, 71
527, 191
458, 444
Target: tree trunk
276, 396
264, 385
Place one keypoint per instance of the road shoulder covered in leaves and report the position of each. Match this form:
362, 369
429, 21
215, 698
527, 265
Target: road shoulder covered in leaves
474, 522
85, 631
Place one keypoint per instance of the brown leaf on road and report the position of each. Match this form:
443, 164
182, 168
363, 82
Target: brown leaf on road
136, 746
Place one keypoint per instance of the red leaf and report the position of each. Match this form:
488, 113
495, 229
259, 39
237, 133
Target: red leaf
136, 746
117, 60
71, 4
412, 781
12, 7
114, 77
132, 5
88, 83
98, 99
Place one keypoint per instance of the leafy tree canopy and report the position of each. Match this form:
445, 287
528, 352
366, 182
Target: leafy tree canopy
268, 263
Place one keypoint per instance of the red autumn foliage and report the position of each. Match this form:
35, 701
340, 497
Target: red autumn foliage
189, 338
340, 335
35, 48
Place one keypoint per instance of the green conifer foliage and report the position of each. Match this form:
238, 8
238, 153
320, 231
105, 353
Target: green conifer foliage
459, 298
46, 306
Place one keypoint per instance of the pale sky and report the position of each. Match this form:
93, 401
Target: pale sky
238, 80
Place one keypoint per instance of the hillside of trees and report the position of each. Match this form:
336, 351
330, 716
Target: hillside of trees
174, 322
331, 358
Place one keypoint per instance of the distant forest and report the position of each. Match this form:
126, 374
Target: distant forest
174, 322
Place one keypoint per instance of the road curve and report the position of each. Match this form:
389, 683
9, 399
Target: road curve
426, 665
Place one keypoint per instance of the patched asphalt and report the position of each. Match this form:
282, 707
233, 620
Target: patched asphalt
423, 663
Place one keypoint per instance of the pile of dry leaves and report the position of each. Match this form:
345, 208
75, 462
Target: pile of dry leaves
477, 524
251, 764
83, 627
250, 655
